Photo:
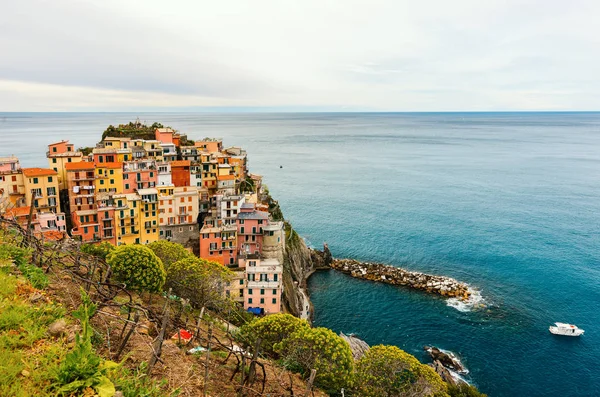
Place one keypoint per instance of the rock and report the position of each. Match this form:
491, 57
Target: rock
36, 297
57, 328
443, 372
358, 346
448, 360
118, 394
25, 373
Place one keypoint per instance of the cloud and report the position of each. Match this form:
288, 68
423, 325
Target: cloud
379, 54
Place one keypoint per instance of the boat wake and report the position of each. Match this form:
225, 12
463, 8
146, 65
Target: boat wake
475, 302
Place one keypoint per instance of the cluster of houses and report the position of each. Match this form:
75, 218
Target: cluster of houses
136, 191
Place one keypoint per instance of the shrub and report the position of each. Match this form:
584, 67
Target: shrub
169, 252
198, 280
137, 267
272, 329
320, 349
101, 250
464, 390
390, 371
20, 257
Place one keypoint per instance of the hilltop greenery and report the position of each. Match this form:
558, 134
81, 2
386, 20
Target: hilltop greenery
133, 129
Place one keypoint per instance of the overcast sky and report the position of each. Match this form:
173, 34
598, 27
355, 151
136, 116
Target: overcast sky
380, 55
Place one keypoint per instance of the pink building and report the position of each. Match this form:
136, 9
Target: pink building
141, 174
250, 224
264, 285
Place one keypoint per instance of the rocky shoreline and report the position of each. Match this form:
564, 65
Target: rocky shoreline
440, 285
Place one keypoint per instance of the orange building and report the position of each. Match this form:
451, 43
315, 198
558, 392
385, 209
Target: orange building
106, 219
59, 155
210, 145
180, 173
81, 186
164, 135
219, 244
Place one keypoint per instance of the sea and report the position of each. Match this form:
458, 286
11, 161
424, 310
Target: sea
506, 202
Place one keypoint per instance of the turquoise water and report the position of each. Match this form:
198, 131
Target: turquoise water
507, 202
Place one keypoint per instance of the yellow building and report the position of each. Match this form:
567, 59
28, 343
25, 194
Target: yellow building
44, 183
149, 226
116, 142
109, 177
127, 218
59, 154
151, 148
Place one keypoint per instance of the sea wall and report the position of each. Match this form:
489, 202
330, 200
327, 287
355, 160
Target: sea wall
440, 285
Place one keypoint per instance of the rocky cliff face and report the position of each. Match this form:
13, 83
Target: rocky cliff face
299, 263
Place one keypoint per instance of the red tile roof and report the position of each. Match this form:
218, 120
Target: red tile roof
29, 172
18, 211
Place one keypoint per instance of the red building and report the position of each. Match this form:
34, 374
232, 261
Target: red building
180, 173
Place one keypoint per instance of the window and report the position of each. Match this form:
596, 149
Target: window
35, 180
53, 161
262, 300
127, 186
250, 291
275, 277
54, 149
274, 292
249, 300
274, 301
241, 281
112, 181
262, 291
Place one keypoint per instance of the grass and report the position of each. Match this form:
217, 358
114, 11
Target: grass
28, 359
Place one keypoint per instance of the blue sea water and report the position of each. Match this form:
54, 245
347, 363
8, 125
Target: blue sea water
508, 202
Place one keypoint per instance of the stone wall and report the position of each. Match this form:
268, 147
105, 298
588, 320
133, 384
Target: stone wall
440, 285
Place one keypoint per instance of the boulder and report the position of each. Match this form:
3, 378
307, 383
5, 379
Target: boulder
448, 360
58, 328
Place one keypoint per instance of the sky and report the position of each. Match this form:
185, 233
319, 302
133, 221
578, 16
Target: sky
329, 55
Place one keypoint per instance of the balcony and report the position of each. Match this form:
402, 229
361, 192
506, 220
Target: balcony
84, 178
263, 285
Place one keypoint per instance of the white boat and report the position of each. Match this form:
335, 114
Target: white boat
566, 329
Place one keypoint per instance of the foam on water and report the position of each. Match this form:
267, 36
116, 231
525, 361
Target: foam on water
475, 302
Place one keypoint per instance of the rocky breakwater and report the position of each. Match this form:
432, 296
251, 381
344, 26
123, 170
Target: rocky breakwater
440, 285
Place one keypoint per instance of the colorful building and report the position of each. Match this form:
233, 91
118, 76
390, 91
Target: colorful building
210, 145
250, 223
140, 174
59, 155
178, 215
219, 244
43, 184
264, 285
12, 188
109, 177
180, 173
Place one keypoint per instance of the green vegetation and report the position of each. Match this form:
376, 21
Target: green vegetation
272, 330
100, 250
133, 129
86, 151
389, 371
20, 257
138, 267
198, 280
169, 252
320, 349
464, 390
82, 368
28, 361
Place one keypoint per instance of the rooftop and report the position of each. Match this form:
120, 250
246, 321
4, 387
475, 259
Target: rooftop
18, 211
31, 172
253, 215
81, 165
180, 163
116, 164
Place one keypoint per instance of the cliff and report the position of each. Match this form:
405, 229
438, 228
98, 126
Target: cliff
298, 264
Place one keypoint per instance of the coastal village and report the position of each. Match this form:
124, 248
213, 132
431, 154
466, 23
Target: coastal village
131, 190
